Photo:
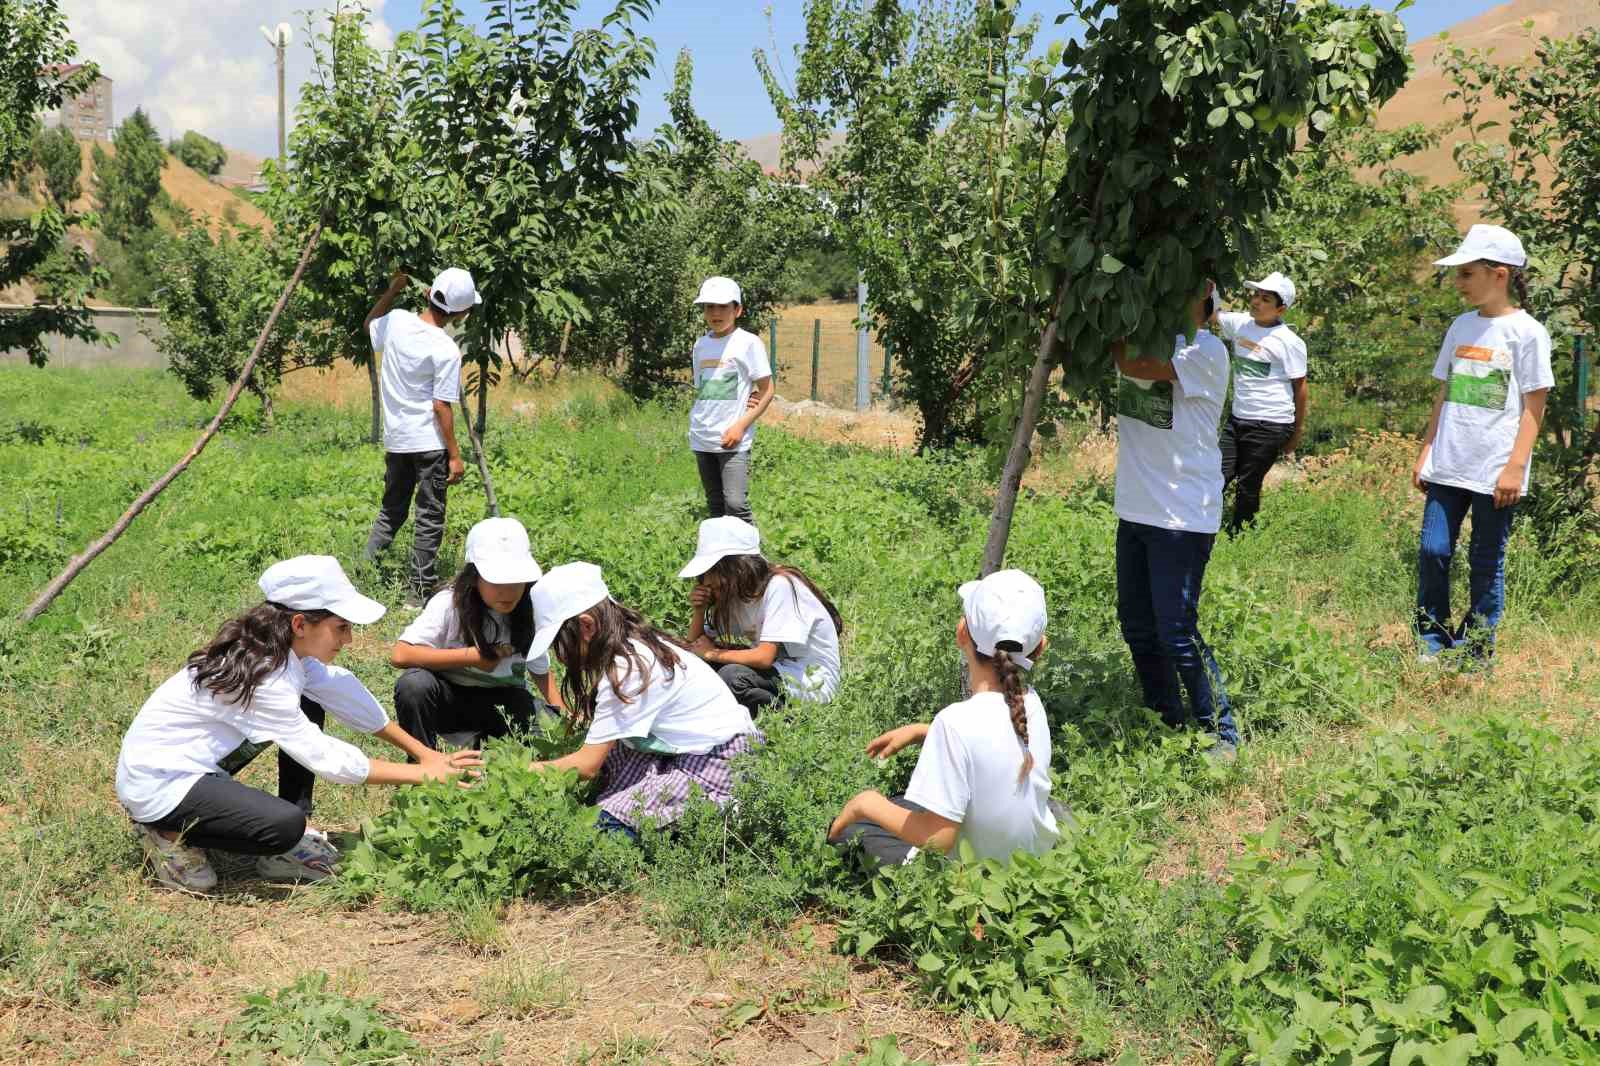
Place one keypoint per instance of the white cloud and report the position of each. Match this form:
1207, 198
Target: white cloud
201, 64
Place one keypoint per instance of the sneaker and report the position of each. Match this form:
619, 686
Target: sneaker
176, 865
310, 860
1223, 752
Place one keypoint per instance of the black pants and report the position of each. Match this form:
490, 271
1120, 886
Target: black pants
295, 782
426, 704
879, 846
1248, 451
756, 689
426, 474
218, 812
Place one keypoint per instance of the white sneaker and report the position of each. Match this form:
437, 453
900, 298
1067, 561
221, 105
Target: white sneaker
310, 860
176, 865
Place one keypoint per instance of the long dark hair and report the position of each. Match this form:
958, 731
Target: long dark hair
1015, 688
745, 577
611, 655
474, 614
1517, 281
247, 650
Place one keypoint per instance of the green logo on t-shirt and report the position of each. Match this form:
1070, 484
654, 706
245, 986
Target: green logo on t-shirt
1488, 391
719, 387
1250, 368
1152, 406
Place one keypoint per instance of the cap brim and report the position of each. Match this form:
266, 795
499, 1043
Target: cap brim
700, 564
1457, 259
359, 610
477, 298
509, 571
543, 637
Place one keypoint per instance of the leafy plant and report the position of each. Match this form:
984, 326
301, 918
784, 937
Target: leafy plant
307, 1023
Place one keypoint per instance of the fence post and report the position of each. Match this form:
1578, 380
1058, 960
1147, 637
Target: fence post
862, 343
1580, 366
816, 354
888, 354
772, 347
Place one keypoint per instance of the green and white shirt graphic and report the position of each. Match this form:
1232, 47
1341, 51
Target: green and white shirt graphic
439, 626
1486, 365
725, 372
1148, 401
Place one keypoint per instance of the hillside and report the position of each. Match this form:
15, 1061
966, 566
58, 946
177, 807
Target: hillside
203, 197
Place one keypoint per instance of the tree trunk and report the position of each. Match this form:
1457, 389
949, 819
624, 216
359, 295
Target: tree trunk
1005, 501
267, 414
483, 463
76, 566
376, 435
483, 399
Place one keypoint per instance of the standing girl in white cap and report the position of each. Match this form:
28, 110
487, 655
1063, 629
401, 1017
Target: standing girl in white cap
659, 725
466, 671
1494, 373
793, 627
983, 775
248, 688
732, 389
1270, 397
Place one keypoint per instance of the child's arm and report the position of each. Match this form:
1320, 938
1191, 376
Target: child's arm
587, 760
1302, 404
699, 601
761, 393
397, 285
886, 744
406, 655
923, 829
761, 656
1508, 489
1145, 369
1427, 437
546, 683
440, 769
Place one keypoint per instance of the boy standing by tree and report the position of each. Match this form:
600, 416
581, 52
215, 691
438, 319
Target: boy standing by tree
1269, 392
732, 388
421, 379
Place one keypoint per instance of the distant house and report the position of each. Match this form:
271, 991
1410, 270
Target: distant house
88, 115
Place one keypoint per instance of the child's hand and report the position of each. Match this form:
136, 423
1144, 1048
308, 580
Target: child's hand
1508, 489
847, 817
732, 436
886, 744
753, 402
1416, 473
702, 645
399, 281
437, 766
700, 596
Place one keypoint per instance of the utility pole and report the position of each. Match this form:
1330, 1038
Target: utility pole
279, 40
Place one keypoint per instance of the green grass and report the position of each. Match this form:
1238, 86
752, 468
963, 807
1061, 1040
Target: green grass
1306, 614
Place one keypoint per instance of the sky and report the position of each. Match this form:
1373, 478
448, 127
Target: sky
203, 64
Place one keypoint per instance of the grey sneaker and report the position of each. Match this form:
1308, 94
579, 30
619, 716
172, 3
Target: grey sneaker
310, 860
175, 864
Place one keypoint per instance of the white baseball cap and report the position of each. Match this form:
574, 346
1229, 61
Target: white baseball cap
317, 583
1494, 243
565, 592
719, 537
719, 290
1275, 282
498, 547
1006, 605
454, 290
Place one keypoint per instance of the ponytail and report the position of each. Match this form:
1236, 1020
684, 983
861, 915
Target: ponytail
1015, 688
247, 650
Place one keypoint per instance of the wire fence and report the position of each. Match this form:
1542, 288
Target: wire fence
816, 358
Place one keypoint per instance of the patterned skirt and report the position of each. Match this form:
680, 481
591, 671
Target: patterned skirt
635, 785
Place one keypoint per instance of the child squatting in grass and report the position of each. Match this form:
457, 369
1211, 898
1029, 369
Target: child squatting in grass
265, 678
793, 626
1494, 376
659, 722
466, 676
983, 775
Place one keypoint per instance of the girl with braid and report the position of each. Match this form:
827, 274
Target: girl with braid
983, 775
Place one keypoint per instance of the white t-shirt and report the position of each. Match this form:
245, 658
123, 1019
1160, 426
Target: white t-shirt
690, 714
439, 626
1488, 364
968, 772
420, 364
182, 733
1169, 465
725, 372
1267, 360
790, 616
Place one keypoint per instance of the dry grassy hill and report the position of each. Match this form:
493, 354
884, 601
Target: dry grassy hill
206, 199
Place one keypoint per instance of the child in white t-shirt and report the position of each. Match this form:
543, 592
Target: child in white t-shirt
660, 725
793, 627
1494, 373
732, 389
466, 674
983, 775
264, 679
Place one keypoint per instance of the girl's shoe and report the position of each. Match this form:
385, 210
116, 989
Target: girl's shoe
310, 860
176, 865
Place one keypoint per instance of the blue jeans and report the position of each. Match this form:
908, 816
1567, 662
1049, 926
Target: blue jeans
1486, 559
1159, 572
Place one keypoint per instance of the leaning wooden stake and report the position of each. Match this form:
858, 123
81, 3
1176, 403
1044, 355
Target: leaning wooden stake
483, 461
75, 567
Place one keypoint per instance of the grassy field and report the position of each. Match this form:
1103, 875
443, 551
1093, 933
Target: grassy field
1399, 867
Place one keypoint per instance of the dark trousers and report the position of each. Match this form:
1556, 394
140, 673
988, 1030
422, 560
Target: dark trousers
295, 782
1248, 451
424, 474
756, 689
1159, 574
218, 812
726, 478
879, 846
1442, 513
426, 705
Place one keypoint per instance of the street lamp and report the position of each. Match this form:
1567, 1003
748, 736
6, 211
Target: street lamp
279, 40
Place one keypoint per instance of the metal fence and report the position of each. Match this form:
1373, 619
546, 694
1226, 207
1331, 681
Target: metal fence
817, 358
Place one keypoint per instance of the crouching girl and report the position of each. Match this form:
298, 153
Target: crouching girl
660, 724
255, 684
983, 775
793, 627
